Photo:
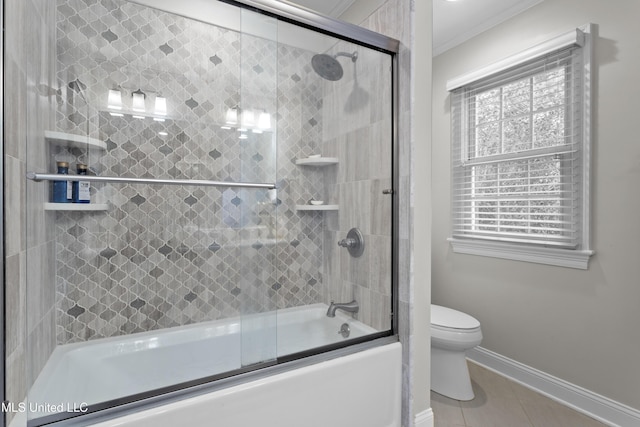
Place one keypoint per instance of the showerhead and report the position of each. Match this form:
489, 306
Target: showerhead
77, 86
328, 67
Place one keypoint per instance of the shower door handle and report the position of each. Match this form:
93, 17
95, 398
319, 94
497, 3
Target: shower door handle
37, 177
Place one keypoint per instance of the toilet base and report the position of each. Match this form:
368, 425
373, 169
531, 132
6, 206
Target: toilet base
450, 374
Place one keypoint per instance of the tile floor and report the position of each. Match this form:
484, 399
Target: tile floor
503, 403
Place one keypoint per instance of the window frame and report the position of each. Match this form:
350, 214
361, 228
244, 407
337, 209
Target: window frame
577, 257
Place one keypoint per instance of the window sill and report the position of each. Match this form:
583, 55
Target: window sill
578, 259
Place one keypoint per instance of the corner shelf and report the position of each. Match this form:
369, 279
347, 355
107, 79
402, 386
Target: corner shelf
317, 161
73, 140
86, 207
316, 207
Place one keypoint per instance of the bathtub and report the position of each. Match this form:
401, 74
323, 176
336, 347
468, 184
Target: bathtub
82, 374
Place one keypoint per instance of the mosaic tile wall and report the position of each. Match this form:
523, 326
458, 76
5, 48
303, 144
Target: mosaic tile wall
164, 256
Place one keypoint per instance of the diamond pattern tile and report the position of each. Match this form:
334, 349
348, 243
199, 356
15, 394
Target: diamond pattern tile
164, 256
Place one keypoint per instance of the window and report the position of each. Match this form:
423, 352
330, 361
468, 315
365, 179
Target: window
520, 156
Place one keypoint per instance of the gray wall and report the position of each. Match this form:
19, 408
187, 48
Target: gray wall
29, 100
580, 326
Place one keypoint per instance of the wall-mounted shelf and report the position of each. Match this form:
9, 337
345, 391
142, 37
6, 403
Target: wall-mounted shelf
86, 207
316, 207
317, 161
72, 140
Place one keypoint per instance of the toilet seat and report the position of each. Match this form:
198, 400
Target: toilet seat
445, 318
454, 330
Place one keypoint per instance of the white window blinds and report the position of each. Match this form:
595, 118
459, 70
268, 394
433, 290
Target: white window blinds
517, 153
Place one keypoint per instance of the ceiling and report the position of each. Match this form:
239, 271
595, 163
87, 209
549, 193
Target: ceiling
333, 8
454, 22
457, 21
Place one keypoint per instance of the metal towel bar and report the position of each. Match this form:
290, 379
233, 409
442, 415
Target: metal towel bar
124, 180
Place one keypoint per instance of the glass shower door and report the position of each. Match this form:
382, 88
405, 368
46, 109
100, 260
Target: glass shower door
162, 280
177, 274
256, 140
335, 156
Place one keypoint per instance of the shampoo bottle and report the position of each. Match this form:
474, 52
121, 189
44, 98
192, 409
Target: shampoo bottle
81, 189
61, 191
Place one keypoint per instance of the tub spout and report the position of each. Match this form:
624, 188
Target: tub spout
351, 307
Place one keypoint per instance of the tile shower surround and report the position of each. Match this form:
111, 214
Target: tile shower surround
165, 256
392, 19
28, 111
361, 140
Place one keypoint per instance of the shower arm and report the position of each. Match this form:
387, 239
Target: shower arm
37, 177
353, 56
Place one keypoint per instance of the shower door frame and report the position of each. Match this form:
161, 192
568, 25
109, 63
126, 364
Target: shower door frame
324, 24
124, 406
2, 234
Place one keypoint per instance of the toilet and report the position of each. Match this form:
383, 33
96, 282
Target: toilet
452, 334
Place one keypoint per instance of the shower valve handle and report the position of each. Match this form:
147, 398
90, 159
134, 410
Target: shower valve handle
354, 242
347, 243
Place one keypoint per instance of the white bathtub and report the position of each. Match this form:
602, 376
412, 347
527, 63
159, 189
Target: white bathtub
102, 370
358, 390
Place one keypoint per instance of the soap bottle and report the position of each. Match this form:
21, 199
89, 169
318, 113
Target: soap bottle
61, 191
81, 189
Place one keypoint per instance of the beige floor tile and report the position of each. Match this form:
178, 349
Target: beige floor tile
495, 412
444, 423
555, 415
446, 412
491, 383
500, 402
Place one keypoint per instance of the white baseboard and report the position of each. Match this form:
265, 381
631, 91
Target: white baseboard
582, 400
424, 419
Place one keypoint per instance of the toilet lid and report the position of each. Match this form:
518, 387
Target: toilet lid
449, 318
